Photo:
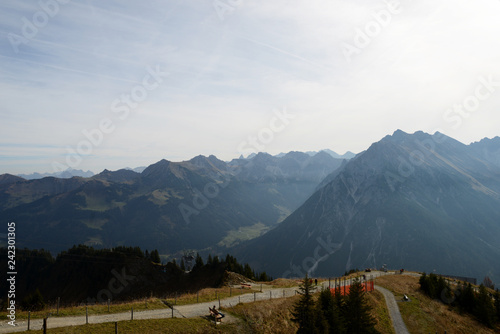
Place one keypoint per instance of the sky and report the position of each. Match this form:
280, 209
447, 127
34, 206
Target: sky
111, 84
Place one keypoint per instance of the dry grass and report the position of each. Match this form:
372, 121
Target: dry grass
274, 316
380, 312
206, 295
269, 316
284, 283
424, 315
175, 326
138, 305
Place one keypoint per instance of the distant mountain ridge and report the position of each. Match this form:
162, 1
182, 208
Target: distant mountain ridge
417, 201
347, 155
69, 173
170, 206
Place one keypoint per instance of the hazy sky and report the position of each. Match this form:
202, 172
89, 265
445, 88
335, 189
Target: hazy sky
111, 84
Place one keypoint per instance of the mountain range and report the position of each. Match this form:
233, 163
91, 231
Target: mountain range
169, 206
416, 201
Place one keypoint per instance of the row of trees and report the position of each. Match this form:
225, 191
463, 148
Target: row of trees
333, 313
82, 272
485, 306
230, 264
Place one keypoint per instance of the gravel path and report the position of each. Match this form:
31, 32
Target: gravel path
397, 320
181, 311
196, 310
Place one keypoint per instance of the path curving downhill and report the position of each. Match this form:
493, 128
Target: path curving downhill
392, 306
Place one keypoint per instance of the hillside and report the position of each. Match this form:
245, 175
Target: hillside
421, 314
86, 275
170, 206
419, 201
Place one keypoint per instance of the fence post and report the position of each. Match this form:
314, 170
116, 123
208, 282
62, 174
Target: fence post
132, 313
29, 316
44, 325
116, 327
86, 314
172, 312
58, 301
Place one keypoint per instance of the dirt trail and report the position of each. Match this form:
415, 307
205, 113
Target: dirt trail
181, 311
397, 320
196, 310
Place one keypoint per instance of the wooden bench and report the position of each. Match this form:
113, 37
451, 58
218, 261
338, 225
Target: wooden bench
216, 315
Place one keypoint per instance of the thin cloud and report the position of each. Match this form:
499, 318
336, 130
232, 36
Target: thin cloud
226, 76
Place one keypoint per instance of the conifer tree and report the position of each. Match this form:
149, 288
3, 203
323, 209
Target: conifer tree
357, 311
303, 311
183, 265
155, 256
497, 305
33, 302
198, 262
330, 308
484, 310
324, 311
467, 299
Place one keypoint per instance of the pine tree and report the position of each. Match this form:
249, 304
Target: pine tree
338, 321
331, 308
183, 265
303, 311
33, 302
198, 262
155, 256
497, 305
467, 299
484, 310
357, 311
424, 283
248, 272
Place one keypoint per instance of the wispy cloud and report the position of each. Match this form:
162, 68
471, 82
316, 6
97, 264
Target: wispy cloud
227, 76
